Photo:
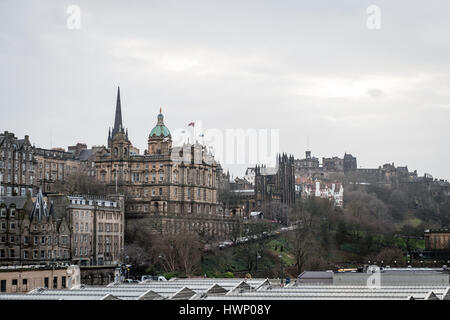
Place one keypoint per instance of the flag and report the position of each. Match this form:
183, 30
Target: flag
191, 124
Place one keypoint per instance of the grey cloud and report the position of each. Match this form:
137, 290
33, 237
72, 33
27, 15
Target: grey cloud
308, 68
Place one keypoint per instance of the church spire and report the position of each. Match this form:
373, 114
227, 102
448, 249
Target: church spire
118, 119
118, 126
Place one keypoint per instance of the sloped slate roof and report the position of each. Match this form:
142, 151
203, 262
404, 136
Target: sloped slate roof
39, 210
19, 201
85, 154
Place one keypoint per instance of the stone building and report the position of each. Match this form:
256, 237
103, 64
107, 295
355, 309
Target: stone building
25, 168
52, 166
308, 163
350, 162
171, 186
333, 164
25, 279
37, 235
97, 225
17, 165
437, 239
61, 229
86, 157
275, 188
325, 190
165, 180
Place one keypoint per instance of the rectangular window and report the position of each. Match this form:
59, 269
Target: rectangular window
63, 282
14, 282
46, 282
55, 282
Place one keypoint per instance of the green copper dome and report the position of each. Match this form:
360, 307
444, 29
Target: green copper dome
160, 130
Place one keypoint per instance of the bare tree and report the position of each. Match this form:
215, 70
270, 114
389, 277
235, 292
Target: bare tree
179, 251
189, 251
80, 183
166, 252
310, 216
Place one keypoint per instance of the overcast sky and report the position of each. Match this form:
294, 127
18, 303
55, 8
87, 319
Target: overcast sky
311, 69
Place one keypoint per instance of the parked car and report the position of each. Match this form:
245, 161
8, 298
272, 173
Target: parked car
153, 278
130, 281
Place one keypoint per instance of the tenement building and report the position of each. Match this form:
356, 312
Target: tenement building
25, 168
97, 225
59, 229
54, 166
17, 165
32, 233
174, 187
